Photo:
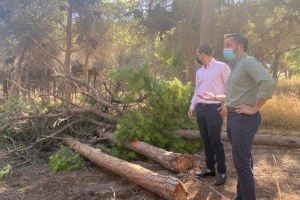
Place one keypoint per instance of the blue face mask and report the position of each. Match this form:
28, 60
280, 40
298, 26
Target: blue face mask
228, 54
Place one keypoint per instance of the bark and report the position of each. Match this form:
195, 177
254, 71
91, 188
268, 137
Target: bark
259, 139
276, 66
167, 187
86, 67
207, 21
5, 89
95, 78
173, 161
26, 85
67, 64
17, 75
176, 162
190, 43
54, 91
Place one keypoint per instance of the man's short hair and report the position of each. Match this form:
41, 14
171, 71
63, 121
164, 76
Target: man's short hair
206, 49
239, 38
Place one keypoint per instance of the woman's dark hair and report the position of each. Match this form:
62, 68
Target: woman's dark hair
239, 38
206, 49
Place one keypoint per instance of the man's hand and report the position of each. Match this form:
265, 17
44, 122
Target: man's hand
246, 109
223, 111
208, 96
190, 113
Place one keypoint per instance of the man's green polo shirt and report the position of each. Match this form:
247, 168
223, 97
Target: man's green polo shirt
248, 82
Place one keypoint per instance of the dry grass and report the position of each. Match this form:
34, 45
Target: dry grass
283, 110
291, 87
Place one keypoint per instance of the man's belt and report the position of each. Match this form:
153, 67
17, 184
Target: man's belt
210, 104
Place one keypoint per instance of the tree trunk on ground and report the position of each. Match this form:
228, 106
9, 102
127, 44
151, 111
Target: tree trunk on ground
259, 139
165, 186
176, 162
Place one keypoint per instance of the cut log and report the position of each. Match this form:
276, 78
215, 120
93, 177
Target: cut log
167, 187
176, 162
259, 139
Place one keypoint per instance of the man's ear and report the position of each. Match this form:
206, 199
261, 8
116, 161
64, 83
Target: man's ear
240, 47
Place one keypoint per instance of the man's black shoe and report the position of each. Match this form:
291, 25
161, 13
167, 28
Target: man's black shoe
220, 179
205, 173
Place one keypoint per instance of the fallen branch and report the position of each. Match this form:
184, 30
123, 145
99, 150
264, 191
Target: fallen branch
99, 124
94, 111
167, 187
53, 135
50, 115
6, 125
105, 103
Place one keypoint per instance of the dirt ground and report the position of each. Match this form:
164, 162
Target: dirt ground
277, 173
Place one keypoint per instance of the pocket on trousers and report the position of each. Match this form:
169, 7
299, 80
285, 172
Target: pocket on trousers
235, 119
251, 123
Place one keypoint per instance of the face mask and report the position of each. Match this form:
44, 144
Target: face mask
228, 54
199, 61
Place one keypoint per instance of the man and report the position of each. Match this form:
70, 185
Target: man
210, 78
249, 87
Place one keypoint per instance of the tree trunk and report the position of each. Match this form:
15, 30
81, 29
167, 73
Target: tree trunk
68, 71
206, 29
259, 139
27, 84
189, 39
276, 66
190, 43
5, 89
207, 21
95, 78
54, 91
167, 187
176, 162
86, 68
14, 92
